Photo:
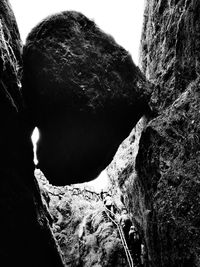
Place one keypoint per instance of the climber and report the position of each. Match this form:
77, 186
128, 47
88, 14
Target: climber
102, 195
108, 202
122, 199
143, 255
81, 233
125, 222
134, 244
45, 196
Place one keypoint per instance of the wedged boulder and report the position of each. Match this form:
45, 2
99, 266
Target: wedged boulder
84, 93
26, 239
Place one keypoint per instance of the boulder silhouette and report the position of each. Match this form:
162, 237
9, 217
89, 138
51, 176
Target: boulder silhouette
83, 92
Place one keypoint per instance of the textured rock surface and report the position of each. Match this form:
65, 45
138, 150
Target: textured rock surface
170, 47
168, 176
26, 239
85, 236
85, 94
169, 147
160, 184
123, 167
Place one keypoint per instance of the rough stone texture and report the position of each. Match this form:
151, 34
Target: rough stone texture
83, 92
122, 167
84, 234
168, 176
170, 47
26, 239
169, 147
160, 184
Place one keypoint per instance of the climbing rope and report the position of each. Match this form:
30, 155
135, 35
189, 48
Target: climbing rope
122, 237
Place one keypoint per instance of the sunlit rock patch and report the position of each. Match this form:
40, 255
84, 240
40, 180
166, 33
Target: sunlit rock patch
83, 232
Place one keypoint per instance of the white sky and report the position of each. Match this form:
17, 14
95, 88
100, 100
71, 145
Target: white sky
101, 182
120, 18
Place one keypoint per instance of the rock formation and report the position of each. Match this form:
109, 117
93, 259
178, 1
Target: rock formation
160, 184
26, 239
170, 47
170, 180
84, 94
84, 233
96, 84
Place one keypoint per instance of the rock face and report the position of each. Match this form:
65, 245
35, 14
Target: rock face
168, 172
26, 239
160, 184
84, 233
122, 174
84, 94
170, 47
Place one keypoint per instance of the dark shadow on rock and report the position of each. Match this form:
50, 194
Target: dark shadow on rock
84, 93
26, 239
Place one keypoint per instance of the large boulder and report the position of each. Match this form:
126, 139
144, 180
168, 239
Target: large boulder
26, 239
84, 93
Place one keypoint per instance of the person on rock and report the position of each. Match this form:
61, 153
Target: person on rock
102, 195
108, 202
134, 244
125, 223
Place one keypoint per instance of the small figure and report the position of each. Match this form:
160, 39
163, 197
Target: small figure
45, 196
101, 195
108, 202
134, 244
125, 222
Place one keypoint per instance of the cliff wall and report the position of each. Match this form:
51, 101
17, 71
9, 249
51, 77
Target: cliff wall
26, 238
160, 182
